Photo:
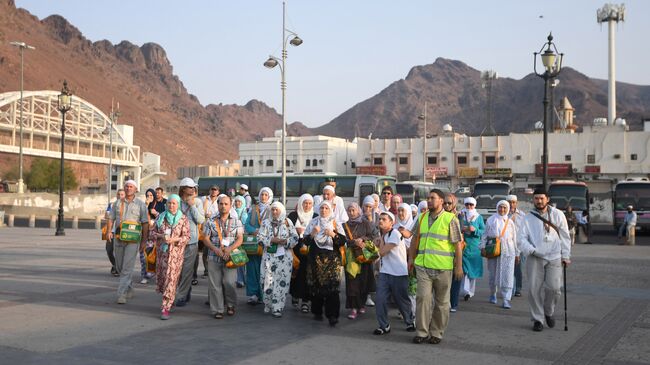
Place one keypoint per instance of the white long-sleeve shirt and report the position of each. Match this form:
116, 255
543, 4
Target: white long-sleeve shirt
534, 239
630, 219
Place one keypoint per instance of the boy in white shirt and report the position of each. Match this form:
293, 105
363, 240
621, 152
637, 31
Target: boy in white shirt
393, 275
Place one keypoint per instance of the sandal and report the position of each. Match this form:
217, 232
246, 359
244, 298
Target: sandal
304, 308
435, 340
418, 339
230, 311
195, 282
381, 331
218, 316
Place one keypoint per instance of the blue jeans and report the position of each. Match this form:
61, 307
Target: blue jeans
398, 287
518, 274
241, 272
455, 292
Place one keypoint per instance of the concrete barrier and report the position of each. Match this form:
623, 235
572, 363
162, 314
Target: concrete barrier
32, 221
53, 221
75, 222
10, 220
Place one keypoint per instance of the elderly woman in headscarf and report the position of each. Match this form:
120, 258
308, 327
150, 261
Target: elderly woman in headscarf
376, 199
301, 217
405, 219
239, 208
358, 284
323, 274
370, 213
172, 232
414, 211
278, 236
257, 214
150, 200
501, 269
472, 227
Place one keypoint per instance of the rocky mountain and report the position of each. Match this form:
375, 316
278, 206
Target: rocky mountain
167, 119
454, 94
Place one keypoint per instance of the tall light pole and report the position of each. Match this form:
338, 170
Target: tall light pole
22, 46
270, 63
64, 105
423, 117
552, 61
113, 120
611, 14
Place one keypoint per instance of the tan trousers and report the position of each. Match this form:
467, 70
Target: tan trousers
432, 284
630, 234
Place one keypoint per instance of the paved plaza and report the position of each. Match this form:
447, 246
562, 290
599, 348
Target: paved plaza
57, 306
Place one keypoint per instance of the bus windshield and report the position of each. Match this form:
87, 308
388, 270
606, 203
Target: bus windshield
568, 195
488, 194
636, 195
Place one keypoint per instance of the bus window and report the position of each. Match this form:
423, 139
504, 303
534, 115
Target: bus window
311, 185
345, 186
293, 186
259, 183
384, 182
364, 191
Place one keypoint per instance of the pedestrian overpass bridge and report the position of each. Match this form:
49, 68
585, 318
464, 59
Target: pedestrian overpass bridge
87, 131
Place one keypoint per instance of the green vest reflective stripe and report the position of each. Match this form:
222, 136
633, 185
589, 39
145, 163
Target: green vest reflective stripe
435, 251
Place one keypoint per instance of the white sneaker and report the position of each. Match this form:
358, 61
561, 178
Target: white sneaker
144, 281
369, 302
121, 299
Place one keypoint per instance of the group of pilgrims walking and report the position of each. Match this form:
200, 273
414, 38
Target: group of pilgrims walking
421, 258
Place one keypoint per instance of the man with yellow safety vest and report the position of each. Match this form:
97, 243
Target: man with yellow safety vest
434, 253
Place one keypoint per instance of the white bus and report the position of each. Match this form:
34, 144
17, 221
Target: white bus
352, 188
413, 192
487, 194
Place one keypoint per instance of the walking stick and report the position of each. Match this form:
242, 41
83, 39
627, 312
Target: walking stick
565, 306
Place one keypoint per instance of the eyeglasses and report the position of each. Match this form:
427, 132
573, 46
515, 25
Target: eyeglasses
386, 193
469, 204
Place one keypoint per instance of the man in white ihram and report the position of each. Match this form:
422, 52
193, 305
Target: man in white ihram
544, 239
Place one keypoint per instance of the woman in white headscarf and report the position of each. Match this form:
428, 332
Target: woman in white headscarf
404, 219
301, 217
278, 236
414, 211
501, 269
472, 227
375, 198
323, 274
257, 214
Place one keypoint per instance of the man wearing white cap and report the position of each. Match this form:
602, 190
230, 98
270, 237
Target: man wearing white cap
629, 224
128, 209
243, 191
338, 207
517, 216
193, 209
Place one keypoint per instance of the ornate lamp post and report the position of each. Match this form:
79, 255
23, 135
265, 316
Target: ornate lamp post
64, 104
271, 63
552, 62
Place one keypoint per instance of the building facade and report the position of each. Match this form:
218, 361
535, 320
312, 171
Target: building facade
599, 152
305, 155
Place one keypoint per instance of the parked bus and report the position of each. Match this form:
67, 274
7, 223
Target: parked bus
488, 193
563, 193
352, 188
634, 192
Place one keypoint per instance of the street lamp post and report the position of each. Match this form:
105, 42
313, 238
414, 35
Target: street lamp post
22, 46
271, 63
552, 62
64, 104
423, 117
113, 120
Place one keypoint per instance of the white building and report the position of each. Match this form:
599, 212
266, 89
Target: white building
305, 155
599, 152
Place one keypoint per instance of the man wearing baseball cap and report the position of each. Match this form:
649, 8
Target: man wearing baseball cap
192, 208
128, 209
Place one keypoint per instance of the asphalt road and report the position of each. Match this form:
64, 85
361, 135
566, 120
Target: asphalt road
57, 306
